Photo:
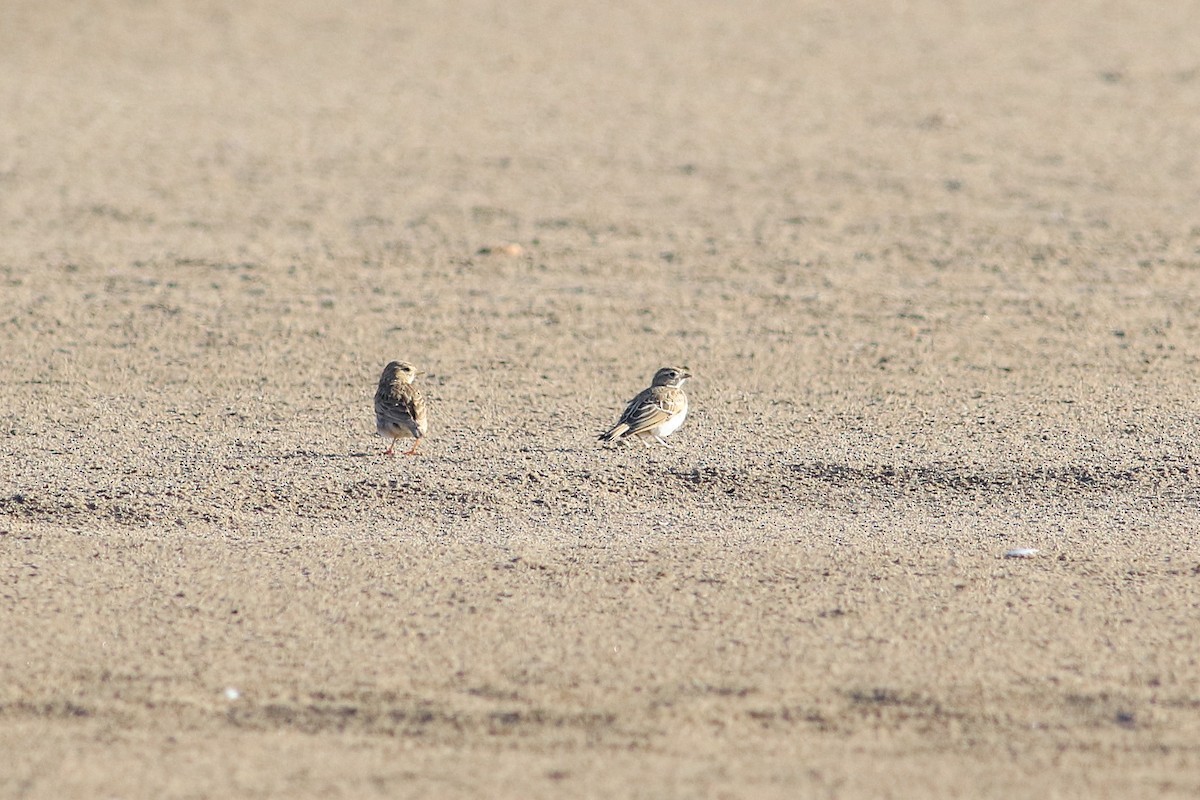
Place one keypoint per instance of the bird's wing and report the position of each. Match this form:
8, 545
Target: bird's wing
403, 405
649, 409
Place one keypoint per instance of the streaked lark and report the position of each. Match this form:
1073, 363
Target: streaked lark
656, 412
400, 406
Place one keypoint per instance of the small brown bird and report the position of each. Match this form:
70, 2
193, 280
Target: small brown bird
656, 412
400, 406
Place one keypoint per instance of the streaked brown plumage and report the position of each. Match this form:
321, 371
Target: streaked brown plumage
656, 412
400, 406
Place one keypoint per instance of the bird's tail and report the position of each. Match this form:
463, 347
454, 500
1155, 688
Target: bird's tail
615, 433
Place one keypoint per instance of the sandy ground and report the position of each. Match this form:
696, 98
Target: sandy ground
936, 267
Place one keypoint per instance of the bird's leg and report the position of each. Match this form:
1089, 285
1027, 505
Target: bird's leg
412, 451
391, 449
662, 441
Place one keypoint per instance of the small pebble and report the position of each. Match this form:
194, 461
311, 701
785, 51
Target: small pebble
1021, 552
511, 249
232, 694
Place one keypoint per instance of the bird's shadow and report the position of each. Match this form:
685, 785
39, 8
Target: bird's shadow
310, 454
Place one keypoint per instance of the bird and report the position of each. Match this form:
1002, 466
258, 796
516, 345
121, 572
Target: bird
656, 412
400, 406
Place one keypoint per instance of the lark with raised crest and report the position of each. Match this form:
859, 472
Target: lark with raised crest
656, 412
400, 406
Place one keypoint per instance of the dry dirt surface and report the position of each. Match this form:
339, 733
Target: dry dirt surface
935, 266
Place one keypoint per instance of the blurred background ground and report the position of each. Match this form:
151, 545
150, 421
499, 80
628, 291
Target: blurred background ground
935, 268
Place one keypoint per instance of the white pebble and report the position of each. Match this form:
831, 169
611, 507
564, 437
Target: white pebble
232, 694
1021, 552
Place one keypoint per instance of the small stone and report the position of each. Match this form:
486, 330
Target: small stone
1021, 552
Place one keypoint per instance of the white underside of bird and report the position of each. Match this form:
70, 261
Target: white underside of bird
669, 426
